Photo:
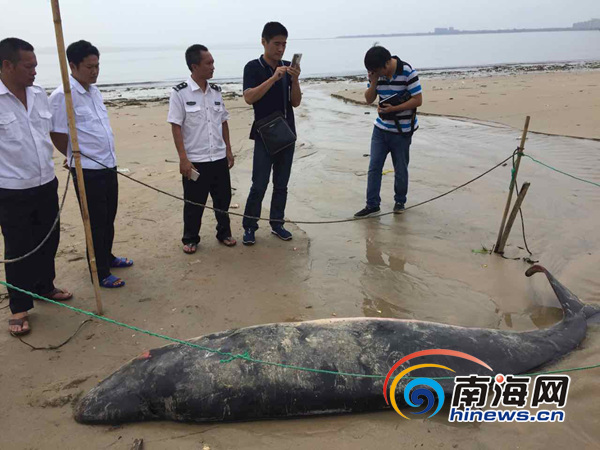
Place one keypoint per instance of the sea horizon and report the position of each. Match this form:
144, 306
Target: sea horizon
135, 67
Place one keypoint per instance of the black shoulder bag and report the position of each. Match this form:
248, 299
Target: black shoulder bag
395, 100
274, 130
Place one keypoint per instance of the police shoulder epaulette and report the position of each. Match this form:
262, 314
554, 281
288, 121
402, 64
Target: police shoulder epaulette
216, 87
180, 86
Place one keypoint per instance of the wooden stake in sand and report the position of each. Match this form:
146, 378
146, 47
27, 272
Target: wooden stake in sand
497, 248
513, 216
60, 43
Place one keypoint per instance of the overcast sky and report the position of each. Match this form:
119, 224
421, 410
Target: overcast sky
171, 22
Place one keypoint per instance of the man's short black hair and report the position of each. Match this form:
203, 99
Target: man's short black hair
273, 29
9, 49
376, 58
193, 55
78, 51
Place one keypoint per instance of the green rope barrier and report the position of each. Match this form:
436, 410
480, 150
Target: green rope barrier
244, 356
560, 171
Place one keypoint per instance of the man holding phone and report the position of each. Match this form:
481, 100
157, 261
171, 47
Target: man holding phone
198, 121
270, 85
400, 93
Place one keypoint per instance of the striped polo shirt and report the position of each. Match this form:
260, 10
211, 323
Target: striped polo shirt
404, 78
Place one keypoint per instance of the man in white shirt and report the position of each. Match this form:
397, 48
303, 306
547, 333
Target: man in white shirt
96, 140
28, 185
198, 120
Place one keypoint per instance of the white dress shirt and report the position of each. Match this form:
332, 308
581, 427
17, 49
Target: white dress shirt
25, 145
201, 116
94, 133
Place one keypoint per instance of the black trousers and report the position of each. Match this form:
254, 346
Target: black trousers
102, 192
214, 180
26, 216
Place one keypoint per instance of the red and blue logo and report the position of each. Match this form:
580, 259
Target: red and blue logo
415, 398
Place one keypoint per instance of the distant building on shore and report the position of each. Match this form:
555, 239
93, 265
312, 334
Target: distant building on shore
449, 30
592, 24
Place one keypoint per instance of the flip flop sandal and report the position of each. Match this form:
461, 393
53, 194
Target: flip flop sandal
112, 282
192, 249
52, 295
121, 262
231, 241
19, 323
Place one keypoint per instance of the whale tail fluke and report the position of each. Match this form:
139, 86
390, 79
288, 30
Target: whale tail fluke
571, 305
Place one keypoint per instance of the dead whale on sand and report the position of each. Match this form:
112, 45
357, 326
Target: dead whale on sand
185, 384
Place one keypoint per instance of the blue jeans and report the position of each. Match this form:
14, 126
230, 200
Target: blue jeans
382, 143
261, 171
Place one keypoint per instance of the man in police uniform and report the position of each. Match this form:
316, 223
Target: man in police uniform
28, 186
198, 120
96, 140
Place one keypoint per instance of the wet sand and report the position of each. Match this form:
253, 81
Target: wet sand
418, 265
560, 103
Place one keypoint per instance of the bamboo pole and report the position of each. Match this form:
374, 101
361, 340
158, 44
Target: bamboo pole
513, 216
512, 186
60, 44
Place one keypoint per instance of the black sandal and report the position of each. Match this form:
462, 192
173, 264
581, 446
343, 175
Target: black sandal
228, 241
192, 249
19, 323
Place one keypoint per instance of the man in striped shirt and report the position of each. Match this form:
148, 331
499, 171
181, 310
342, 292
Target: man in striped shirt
389, 76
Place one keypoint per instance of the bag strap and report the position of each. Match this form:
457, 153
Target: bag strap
284, 84
414, 114
412, 123
285, 93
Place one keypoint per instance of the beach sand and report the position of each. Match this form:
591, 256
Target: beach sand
419, 265
560, 103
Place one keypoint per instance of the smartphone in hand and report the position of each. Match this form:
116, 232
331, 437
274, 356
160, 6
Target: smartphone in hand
194, 175
296, 59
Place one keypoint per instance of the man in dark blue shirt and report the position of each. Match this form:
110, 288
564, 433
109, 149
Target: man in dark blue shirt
270, 85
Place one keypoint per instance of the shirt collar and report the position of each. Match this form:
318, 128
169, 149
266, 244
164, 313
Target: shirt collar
195, 87
263, 62
399, 66
77, 85
3, 88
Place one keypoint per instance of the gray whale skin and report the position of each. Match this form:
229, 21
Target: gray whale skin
185, 384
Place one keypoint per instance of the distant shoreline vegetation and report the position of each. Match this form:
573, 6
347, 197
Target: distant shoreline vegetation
590, 25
